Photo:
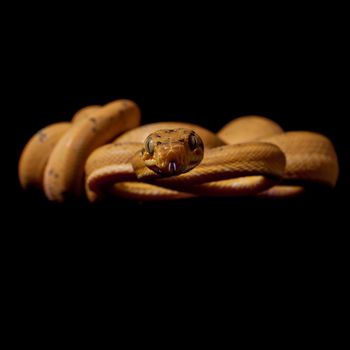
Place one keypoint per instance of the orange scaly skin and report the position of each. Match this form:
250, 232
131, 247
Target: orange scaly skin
251, 155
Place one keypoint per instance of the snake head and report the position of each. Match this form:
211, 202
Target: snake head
171, 152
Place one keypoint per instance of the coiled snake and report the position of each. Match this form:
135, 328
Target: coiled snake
251, 155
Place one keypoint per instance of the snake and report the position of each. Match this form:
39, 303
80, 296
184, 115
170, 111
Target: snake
104, 151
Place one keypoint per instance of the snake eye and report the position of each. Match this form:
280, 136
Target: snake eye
193, 141
149, 146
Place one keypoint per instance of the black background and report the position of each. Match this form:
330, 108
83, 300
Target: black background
178, 68
207, 93
208, 97
296, 88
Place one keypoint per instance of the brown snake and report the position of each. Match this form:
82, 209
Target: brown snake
251, 155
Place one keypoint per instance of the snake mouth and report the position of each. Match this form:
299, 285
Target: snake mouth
172, 167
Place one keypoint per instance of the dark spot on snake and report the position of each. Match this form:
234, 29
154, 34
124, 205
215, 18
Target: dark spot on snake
157, 135
53, 173
159, 143
182, 140
42, 136
94, 122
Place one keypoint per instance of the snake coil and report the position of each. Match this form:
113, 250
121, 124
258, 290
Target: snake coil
102, 152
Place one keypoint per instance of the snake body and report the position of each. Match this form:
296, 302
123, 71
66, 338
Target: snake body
104, 151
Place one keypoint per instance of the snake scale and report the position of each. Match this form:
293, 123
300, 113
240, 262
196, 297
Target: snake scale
105, 152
